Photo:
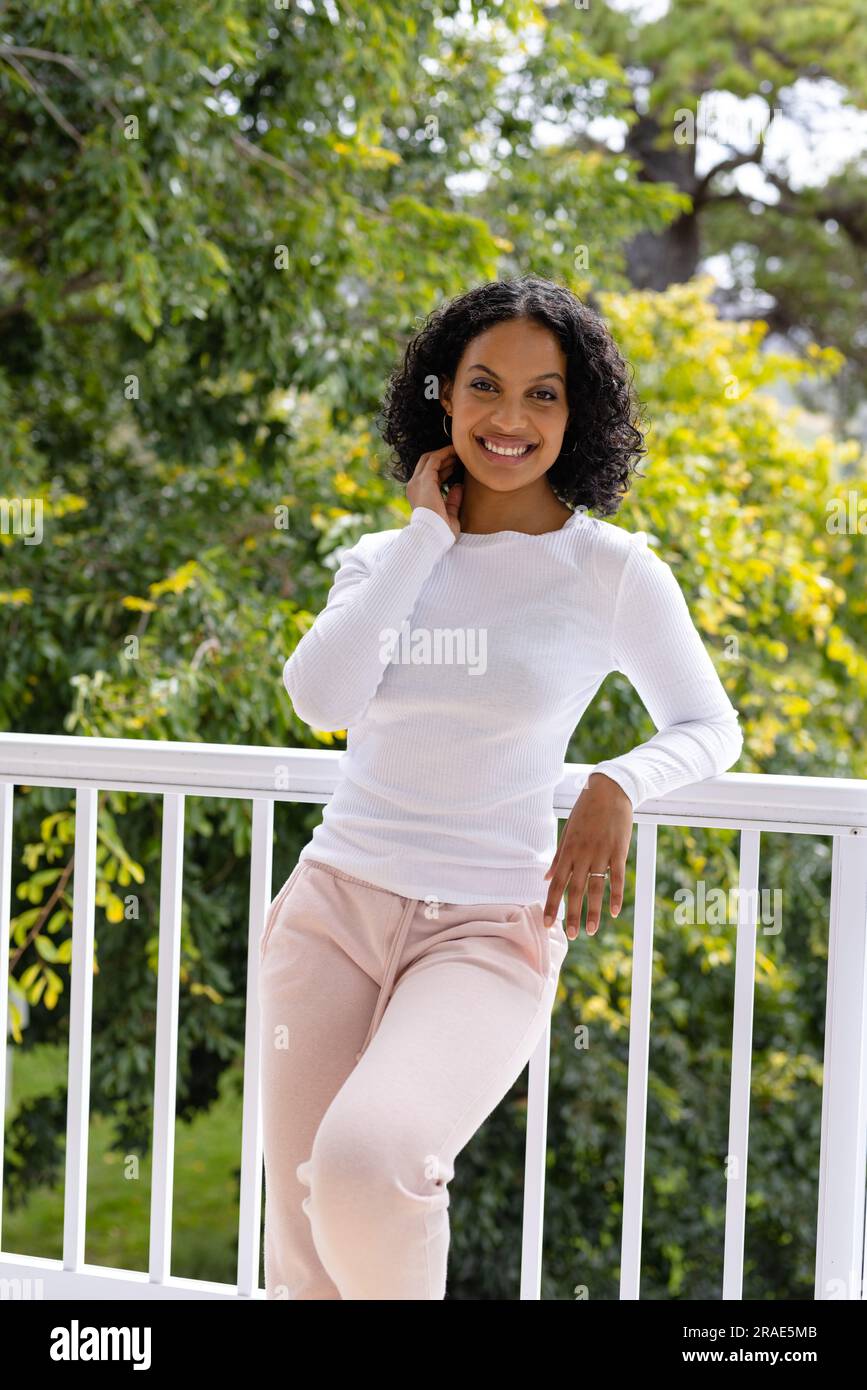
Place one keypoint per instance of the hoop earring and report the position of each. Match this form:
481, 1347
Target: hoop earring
570, 451
445, 431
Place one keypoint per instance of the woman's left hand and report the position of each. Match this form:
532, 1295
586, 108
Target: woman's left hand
597, 837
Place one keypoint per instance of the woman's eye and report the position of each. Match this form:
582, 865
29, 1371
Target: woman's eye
543, 390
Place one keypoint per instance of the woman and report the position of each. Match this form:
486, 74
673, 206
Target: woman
410, 962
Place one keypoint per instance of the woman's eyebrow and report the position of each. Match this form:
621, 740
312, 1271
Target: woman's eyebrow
543, 377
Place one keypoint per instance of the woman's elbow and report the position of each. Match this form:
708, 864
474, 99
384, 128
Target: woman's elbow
303, 696
311, 704
731, 742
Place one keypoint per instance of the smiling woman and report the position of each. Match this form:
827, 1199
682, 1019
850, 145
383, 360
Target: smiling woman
518, 363
509, 411
412, 960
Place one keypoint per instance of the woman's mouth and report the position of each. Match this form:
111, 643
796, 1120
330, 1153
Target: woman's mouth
497, 448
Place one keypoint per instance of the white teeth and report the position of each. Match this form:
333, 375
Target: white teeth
509, 453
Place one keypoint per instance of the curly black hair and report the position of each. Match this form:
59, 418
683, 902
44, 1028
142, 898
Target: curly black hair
602, 440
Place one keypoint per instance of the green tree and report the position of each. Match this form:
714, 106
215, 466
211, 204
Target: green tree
711, 87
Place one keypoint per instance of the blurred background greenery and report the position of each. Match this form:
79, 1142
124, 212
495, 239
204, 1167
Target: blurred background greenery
220, 224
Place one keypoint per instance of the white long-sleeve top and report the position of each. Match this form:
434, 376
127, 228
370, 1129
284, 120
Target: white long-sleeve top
460, 668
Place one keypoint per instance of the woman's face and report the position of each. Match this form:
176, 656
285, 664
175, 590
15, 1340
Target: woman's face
509, 393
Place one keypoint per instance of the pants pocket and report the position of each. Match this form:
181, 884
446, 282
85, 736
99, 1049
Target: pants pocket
537, 911
274, 909
556, 942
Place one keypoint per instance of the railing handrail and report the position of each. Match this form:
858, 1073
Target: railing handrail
813, 805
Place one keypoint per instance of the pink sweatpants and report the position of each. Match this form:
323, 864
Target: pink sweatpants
391, 1028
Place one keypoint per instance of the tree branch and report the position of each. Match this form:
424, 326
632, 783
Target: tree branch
725, 166
84, 281
45, 55
252, 151
246, 147
44, 98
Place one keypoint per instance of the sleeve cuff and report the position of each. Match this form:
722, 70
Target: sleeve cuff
624, 780
426, 516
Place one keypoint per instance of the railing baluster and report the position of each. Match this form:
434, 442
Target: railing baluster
534, 1167
742, 1057
166, 1058
80, 1021
250, 1220
840, 1236
6, 791
639, 1048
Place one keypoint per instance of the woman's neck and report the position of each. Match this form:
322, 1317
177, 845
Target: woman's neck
533, 512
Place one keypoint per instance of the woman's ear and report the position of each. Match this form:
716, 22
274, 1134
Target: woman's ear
445, 389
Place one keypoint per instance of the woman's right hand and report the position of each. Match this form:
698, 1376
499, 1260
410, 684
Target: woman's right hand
423, 488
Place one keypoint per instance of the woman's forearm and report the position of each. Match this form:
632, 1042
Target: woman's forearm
336, 668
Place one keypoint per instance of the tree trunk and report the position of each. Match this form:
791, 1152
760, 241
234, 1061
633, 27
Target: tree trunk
655, 260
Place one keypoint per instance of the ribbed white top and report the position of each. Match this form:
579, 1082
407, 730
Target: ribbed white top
460, 669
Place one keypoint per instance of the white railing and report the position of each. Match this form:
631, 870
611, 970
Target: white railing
746, 802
